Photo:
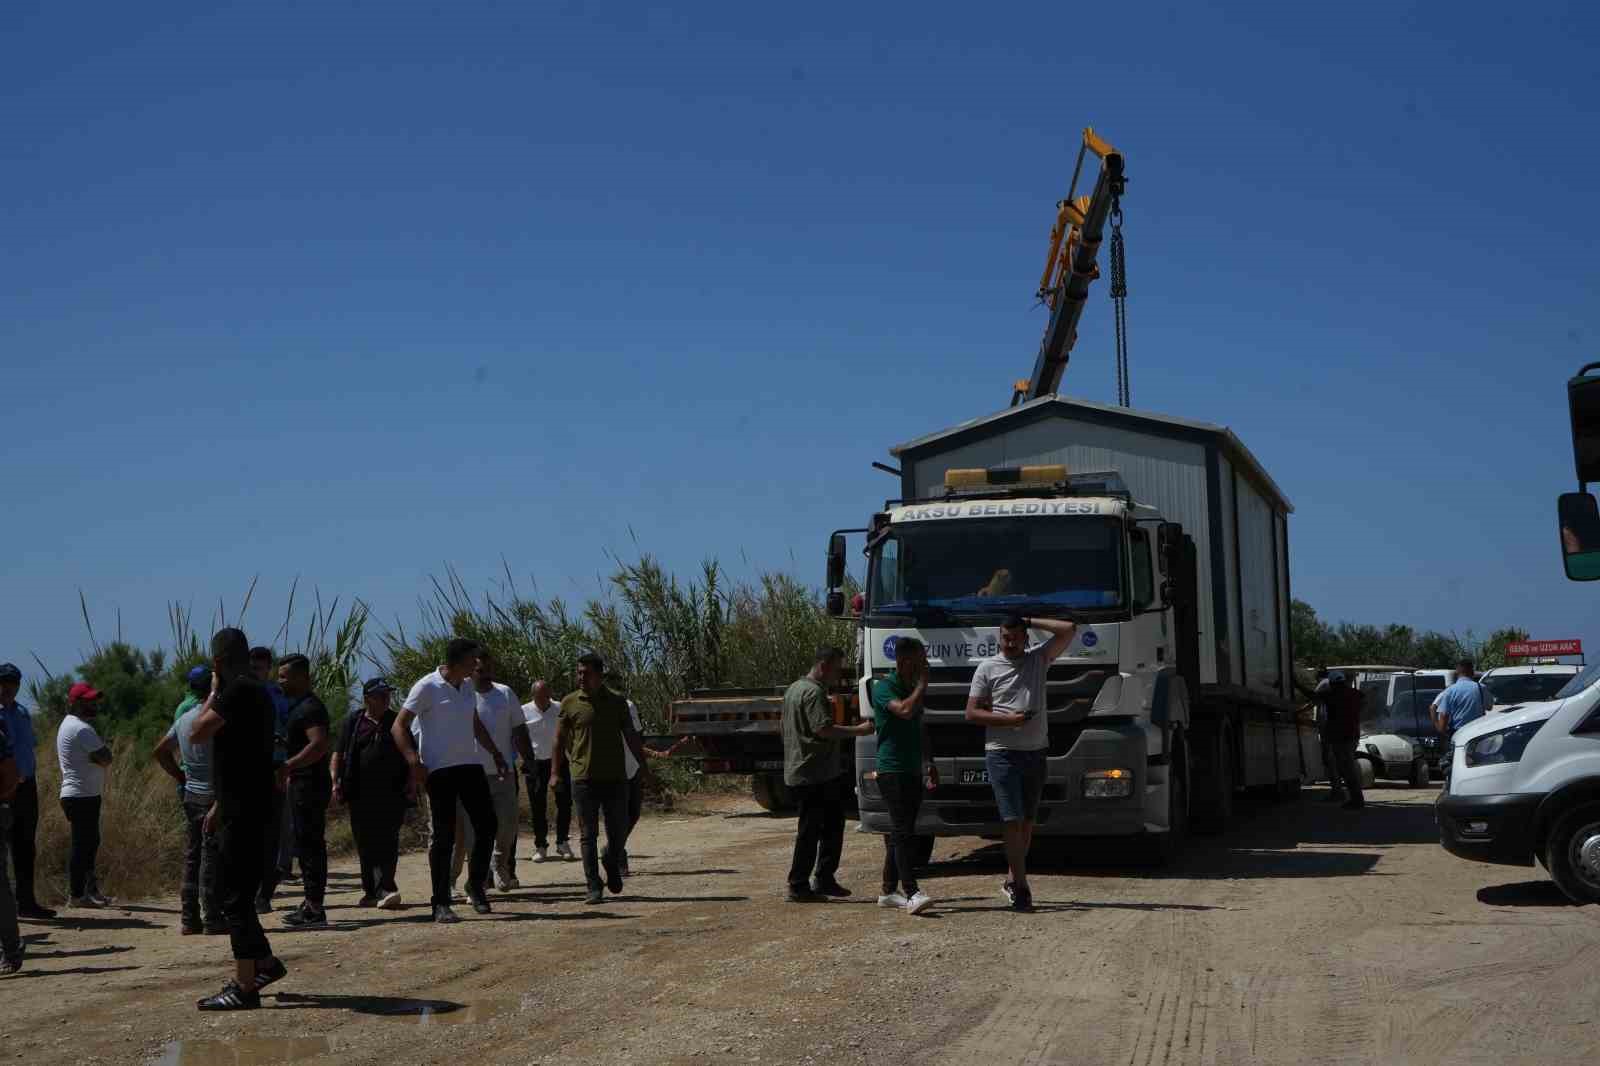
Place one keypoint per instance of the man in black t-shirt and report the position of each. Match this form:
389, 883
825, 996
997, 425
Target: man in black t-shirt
238, 719
305, 775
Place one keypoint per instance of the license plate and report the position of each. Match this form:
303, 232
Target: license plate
974, 777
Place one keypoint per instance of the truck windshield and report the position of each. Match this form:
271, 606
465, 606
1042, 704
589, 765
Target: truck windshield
995, 565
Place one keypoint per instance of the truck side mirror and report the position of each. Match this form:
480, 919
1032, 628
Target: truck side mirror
1583, 400
836, 604
1169, 540
836, 548
1580, 535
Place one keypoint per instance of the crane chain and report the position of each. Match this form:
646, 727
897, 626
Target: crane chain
1119, 297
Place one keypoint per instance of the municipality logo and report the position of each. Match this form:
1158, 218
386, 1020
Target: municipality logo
888, 646
1090, 638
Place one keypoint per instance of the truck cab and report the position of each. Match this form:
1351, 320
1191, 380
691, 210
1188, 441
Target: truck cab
949, 572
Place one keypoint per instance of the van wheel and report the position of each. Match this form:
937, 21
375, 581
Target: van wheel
1420, 777
1211, 805
1572, 853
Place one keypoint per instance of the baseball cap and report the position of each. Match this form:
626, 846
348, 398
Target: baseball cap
9, 672
376, 686
199, 674
82, 692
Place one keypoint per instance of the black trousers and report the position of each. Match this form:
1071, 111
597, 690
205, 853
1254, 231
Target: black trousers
635, 810
468, 786
242, 847
25, 840
375, 823
83, 815
902, 794
597, 800
1344, 756
819, 837
309, 801
271, 837
202, 859
538, 783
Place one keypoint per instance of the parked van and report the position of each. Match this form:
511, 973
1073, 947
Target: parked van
1512, 686
1524, 786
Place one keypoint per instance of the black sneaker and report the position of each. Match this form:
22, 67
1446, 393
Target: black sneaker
830, 887
1009, 891
799, 894
480, 902
232, 997
270, 972
443, 915
1023, 903
35, 913
305, 917
10, 963
215, 929
614, 880
594, 896
263, 906
368, 900
190, 929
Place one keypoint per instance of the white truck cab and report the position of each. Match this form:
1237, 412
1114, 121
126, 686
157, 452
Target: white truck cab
1524, 785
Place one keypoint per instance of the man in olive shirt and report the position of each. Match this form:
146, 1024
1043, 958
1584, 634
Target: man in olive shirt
812, 769
592, 730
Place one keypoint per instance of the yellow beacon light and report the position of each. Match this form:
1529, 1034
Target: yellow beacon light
1010, 476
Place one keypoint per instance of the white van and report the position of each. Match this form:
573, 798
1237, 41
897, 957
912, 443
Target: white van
1524, 786
1512, 686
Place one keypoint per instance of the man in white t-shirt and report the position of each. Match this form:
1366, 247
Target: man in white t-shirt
501, 716
1008, 698
83, 757
446, 761
541, 714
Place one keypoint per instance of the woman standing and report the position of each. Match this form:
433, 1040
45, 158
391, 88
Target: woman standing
84, 758
370, 775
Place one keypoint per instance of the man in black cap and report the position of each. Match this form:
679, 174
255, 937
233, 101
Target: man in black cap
24, 831
371, 777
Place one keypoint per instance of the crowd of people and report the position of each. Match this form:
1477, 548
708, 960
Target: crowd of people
257, 768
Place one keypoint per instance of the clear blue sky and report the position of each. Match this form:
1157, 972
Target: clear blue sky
352, 290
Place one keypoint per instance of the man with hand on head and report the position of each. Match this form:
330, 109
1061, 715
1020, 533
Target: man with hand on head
240, 722
446, 763
304, 778
540, 714
1008, 698
24, 830
812, 767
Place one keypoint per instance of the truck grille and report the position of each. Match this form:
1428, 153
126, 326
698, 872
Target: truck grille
960, 739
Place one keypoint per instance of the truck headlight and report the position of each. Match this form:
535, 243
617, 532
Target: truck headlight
1501, 746
1108, 784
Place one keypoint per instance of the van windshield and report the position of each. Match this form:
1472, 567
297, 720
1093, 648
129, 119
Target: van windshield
1579, 683
998, 565
1525, 688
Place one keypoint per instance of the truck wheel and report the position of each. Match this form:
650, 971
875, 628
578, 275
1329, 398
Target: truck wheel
922, 850
1211, 806
1572, 853
1420, 777
1160, 849
772, 794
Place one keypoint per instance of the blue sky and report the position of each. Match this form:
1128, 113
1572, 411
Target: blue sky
349, 291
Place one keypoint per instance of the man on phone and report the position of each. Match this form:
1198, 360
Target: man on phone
1008, 698
905, 768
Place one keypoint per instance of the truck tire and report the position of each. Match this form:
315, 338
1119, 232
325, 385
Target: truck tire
1420, 777
1211, 801
1161, 848
772, 794
1572, 853
922, 849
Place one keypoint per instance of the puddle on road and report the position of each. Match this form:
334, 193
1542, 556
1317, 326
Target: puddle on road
244, 1051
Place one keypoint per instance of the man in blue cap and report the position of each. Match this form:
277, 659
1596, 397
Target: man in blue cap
18, 724
199, 682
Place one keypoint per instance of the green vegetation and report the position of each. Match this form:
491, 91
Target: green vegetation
1317, 643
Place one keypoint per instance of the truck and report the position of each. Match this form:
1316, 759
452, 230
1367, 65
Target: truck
1166, 541
1163, 537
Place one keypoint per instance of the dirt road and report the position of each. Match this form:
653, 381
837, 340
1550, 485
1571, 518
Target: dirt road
1306, 934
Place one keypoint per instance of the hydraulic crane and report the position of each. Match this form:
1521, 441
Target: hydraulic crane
1070, 267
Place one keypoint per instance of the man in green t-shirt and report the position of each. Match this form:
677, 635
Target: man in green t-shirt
812, 768
592, 730
905, 759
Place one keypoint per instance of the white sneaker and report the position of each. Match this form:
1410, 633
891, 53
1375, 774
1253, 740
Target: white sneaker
541, 854
919, 903
390, 902
565, 851
892, 900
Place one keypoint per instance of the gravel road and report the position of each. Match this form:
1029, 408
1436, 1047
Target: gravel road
1305, 934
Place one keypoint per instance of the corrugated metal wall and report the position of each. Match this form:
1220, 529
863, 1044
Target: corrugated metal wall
1167, 474
1263, 646
1228, 651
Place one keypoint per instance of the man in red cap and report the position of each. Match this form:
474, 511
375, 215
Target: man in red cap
84, 758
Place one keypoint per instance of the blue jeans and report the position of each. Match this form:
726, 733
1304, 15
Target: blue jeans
1017, 778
